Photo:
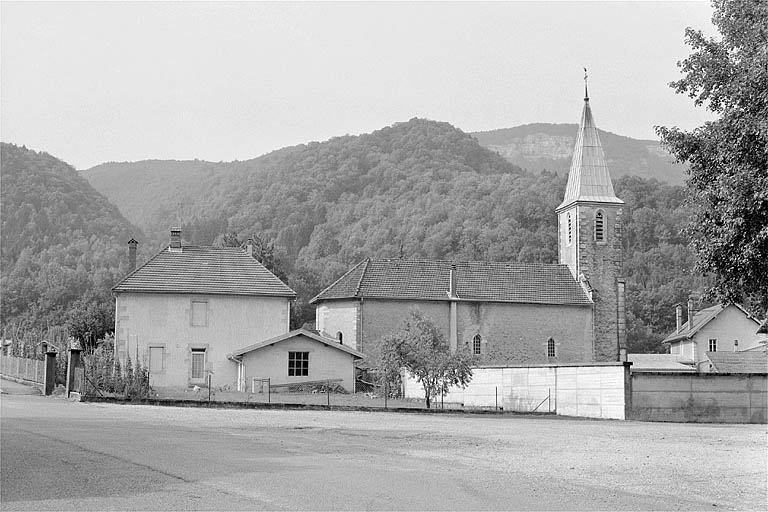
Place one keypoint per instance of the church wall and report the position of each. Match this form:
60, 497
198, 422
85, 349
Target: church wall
601, 263
518, 333
381, 317
334, 316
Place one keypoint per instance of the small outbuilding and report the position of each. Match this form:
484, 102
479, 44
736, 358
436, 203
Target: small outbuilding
297, 357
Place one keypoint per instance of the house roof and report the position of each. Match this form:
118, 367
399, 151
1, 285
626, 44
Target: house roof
658, 363
531, 283
204, 270
588, 178
700, 319
331, 342
739, 362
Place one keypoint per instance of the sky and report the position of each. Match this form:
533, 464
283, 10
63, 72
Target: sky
117, 81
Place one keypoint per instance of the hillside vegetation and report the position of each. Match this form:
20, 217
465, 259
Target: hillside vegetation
542, 146
63, 246
415, 189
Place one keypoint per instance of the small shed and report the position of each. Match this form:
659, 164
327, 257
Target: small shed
297, 357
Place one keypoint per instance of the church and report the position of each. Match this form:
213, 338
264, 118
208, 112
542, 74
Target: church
505, 313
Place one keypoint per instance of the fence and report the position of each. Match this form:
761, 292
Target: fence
29, 370
597, 390
700, 397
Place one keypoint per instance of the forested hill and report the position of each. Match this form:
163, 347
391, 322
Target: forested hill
416, 189
549, 146
64, 244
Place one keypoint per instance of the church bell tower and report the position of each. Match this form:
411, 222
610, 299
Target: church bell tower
589, 238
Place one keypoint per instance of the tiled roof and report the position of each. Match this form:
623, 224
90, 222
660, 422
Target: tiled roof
658, 363
204, 270
333, 343
532, 283
700, 319
739, 362
588, 178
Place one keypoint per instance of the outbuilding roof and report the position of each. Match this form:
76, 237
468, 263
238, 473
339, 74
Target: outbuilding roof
739, 362
658, 363
702, 318
204, 270
531, 283
330, 342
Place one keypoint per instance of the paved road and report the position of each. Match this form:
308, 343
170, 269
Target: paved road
60, 455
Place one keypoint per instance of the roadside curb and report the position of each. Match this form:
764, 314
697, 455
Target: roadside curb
300, 407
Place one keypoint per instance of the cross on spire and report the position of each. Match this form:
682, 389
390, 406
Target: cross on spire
586, 94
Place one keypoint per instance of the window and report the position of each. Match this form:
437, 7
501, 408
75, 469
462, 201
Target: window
713, 345
198, 363
550, 347
155, 359
735, 345
477, 344
340, 337
199, 313
599, 228
298, 364
570, 231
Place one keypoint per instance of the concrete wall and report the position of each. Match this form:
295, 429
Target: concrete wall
164, 320
334, 316
700, 397
518, 333
590, 391
324, 363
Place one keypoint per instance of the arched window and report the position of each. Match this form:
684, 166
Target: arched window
550, 347
599, 227
340, 337
570, 231
477, 343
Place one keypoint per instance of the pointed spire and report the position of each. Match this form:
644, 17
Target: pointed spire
588, 179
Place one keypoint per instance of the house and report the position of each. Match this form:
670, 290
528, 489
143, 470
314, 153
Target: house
296, 357
506, 313
720, 328
736, 362
187, 308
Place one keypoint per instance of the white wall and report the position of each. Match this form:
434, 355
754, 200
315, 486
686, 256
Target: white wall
151, 320
730, 325
590, 391
332, 317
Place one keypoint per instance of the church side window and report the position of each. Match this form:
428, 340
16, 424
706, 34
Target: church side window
570, 231
550, 347
477, 343
599, 227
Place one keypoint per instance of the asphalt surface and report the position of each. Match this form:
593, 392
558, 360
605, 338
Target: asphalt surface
61, 455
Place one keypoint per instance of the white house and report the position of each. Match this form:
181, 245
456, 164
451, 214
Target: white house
187, 308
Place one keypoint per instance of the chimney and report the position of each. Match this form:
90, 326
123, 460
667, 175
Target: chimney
690, 313
175, 240
679, 317
249, 247
452, 285
132, 245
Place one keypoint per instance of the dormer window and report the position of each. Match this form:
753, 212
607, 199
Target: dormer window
570, 230
599, 227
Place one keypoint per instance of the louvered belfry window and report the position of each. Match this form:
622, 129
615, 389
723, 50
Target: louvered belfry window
570, 231
599, 227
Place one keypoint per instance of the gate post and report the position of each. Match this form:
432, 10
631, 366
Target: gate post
49, 375
73, 362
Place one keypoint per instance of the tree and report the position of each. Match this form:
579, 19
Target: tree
728, 157
420, 348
